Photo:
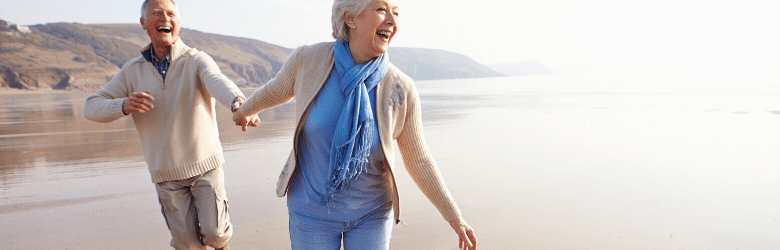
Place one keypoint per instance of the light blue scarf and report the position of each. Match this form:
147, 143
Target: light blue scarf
353, 136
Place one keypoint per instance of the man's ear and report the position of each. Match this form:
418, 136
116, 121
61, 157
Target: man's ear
142, 23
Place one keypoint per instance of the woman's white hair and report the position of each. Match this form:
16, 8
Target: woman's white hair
352, 8
145, 12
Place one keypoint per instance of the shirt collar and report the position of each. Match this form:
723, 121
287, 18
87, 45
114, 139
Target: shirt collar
154, 58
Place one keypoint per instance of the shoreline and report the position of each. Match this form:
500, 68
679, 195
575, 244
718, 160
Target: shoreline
529, 168
15, 91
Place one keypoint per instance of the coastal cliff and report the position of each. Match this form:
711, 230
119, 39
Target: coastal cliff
81, 57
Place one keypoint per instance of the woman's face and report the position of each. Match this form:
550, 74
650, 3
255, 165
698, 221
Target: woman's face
372, 30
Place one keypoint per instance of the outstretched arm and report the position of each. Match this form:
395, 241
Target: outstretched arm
277, 91
467, 240
216, 83
422, 168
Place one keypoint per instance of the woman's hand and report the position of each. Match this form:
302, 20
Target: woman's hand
245, 121
467, 238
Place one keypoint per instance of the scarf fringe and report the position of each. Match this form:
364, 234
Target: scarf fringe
349, 165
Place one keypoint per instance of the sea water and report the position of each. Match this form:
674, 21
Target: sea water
618, 160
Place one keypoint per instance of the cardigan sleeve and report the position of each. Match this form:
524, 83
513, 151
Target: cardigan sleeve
419, 162
278, 91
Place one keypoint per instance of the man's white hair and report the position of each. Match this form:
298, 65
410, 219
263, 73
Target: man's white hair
352, 8
144, 11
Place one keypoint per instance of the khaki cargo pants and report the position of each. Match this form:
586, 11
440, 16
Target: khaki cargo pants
196, 210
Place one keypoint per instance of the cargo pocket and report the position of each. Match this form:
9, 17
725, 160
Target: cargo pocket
223, 211
162, 210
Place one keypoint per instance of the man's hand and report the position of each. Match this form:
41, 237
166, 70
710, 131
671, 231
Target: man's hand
139, 102
237, 103
245, 121
241, 120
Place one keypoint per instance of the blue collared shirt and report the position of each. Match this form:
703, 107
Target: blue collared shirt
160, 65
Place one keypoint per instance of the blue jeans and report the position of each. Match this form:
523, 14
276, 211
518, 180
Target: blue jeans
369, 232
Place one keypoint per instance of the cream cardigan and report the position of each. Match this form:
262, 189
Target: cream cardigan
398, 118
179, 136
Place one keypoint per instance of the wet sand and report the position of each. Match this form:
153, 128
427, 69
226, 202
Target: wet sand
533, 162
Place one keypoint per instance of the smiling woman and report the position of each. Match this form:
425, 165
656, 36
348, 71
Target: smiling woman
352, 104
377, 27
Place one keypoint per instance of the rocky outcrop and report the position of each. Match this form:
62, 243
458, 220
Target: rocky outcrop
10, 78
37, 60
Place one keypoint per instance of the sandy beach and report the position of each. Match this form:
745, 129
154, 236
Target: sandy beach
538, 162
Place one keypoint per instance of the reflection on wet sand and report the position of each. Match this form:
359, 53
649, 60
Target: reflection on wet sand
38, 129
41, 130
49, 131
534, 163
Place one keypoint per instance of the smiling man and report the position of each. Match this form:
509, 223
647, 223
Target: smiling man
171, 91
160, 19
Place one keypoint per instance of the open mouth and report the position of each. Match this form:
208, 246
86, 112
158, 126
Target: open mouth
164, 29
384, 34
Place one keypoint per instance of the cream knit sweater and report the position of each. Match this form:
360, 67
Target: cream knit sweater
179, 136
398, 118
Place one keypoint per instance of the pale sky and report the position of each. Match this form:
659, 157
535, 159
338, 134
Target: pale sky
630, 34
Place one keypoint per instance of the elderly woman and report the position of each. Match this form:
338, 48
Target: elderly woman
351, 103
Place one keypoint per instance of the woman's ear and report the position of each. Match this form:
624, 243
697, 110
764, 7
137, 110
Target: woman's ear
349, 20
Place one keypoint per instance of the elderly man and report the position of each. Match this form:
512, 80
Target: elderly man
170, 91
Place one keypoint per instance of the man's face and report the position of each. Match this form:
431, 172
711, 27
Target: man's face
161, 23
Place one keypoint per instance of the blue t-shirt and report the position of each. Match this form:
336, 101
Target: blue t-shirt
366, 193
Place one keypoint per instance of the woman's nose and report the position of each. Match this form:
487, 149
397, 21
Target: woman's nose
390, 18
